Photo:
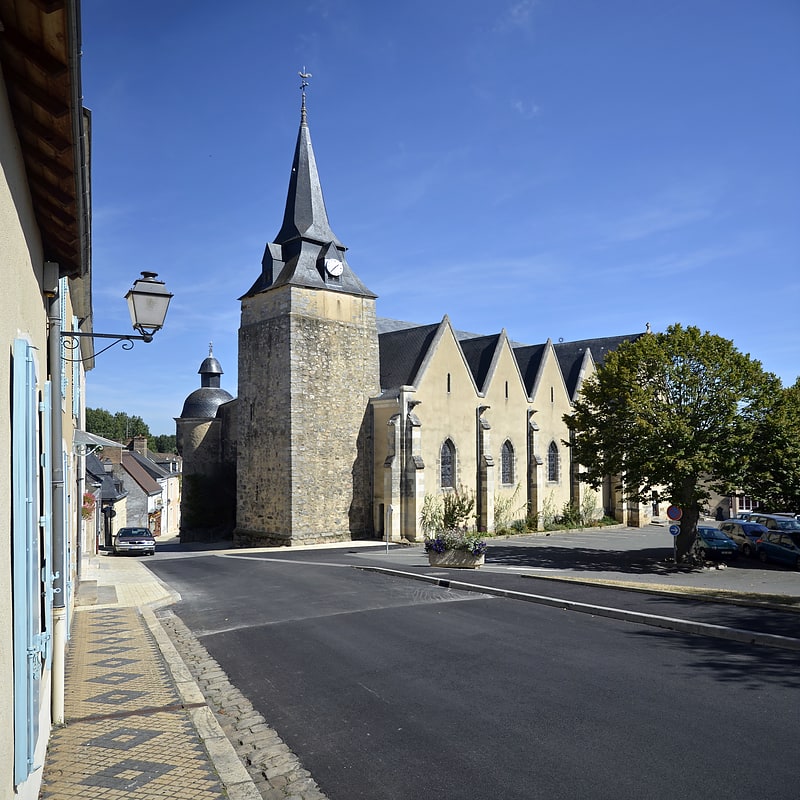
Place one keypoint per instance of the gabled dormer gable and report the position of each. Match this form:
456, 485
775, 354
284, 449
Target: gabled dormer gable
306, 252
481, 354
548, 357
529, 359
445, 330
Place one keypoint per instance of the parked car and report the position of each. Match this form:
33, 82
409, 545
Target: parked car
781, 546
745, 534
777, 522
711, 543
134, 540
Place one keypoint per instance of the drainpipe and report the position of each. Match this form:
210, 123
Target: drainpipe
58, 540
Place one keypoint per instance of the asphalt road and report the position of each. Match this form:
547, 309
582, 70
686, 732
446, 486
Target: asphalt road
391, 688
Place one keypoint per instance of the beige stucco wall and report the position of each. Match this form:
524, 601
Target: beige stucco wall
508, 414
551, 402
22, 314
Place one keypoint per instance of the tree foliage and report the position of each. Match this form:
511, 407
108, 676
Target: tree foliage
773, 479
120, 426
673, 412
163, 443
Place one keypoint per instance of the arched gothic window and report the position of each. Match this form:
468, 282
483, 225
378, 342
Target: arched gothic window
507, 462
448, 465
553, 463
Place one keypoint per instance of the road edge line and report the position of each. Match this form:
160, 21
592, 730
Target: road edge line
653, 620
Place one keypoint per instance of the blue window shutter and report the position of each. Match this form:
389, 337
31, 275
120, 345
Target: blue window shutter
26, 564
63, 289
46, 520
76, 378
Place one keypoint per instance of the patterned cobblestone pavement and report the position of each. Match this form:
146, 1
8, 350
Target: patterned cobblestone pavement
138, 725
128, 733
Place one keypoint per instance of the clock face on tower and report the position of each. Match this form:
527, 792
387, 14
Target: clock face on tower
333, 267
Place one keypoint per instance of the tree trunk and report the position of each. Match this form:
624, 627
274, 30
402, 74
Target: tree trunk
685, 539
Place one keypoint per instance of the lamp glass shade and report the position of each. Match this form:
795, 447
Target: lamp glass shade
148, 301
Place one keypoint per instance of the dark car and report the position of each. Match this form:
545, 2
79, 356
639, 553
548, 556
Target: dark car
777, 522
712, 544
781, 546
134, 540
745, 534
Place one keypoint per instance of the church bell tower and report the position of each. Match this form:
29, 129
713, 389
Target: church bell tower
308, 364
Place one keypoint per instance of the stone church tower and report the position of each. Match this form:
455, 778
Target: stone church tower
308, 364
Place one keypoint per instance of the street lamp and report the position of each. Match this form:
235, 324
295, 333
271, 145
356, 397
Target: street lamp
148, 301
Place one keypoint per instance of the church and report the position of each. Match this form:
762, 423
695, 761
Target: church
345, 421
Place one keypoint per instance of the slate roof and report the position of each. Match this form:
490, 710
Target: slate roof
529, 359
402, 352
110, 488
139, 473
305, 240
404, 345
203, 403
153, 469
570, 355
479, 352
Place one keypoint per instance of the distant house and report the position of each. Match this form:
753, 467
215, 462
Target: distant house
152, 491
111, 511
154, 494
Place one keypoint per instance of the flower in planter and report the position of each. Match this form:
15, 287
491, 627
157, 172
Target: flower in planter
455, 540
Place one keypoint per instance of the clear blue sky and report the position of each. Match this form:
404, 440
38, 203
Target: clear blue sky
558, 168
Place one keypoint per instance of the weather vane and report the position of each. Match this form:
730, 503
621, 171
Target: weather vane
304, 76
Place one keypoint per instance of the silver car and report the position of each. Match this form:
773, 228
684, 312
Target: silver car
134, 540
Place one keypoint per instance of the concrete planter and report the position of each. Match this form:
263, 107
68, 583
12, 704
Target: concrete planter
460, 559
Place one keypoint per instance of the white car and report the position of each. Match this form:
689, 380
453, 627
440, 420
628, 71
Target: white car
134, 540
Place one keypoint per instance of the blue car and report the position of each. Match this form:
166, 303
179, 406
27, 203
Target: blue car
712, 544
781, 546
745, 534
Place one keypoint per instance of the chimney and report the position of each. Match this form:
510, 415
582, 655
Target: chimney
113, 455
139, 445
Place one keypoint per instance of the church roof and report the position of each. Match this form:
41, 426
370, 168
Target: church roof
404, 346
305, 216
402, 353
571, 355
479, 352
529, 359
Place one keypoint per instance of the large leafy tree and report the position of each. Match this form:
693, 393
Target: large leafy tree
773, 479
673, 412
120, 426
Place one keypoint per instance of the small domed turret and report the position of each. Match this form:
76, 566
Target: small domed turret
204, 402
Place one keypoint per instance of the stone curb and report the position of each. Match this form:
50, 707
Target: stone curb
271, 767
728, 596
237, 781
670, 623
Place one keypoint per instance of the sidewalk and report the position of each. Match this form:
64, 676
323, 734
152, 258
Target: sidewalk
137, 725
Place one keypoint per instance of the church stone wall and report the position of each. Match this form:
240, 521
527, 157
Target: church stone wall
308, 364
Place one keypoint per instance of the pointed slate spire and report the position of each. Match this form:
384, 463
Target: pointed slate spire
306, 252
305, 215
